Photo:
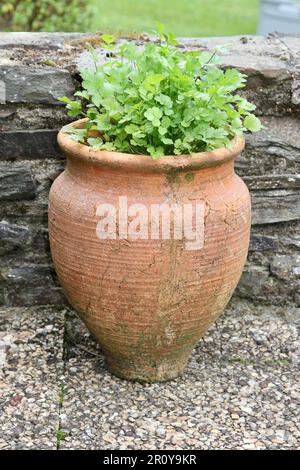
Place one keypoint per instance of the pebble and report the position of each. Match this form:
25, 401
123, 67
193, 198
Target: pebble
239, 391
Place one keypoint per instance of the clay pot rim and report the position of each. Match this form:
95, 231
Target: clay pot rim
144, 163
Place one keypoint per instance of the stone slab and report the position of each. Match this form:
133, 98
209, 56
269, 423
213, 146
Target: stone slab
29, 145
16, 183
25, 84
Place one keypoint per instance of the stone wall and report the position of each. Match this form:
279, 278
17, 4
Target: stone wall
35, 69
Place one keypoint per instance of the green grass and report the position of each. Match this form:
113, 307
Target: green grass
60, 436
182, 17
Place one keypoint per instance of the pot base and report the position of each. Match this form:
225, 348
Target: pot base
162, 371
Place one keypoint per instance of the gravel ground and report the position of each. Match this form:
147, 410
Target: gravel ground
31, 367
240, 390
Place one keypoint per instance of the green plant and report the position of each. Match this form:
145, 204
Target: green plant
160, 100
60, 436
44, 15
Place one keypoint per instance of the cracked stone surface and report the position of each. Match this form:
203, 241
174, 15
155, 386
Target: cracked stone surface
239, 391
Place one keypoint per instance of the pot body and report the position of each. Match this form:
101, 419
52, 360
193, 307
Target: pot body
147, 301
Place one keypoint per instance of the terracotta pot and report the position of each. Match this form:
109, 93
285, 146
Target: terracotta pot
148, 301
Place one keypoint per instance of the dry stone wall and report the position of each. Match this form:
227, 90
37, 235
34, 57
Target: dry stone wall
37, 68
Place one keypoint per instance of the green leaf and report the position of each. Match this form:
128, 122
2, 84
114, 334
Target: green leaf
153, 114
236, 123
102, 123
166, 122
159, 29
108, 146
82, 94
78, 135
74, 107
129, 51
162, 130
252, 123
65, 99
96, 143
151, 83
131, 129
164, 100
170, 38
108, 39
155, 152
166, 141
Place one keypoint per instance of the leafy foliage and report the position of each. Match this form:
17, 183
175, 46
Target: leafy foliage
44, 15
160, 100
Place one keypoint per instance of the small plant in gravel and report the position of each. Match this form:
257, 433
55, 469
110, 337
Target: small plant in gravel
60, 436
160, 100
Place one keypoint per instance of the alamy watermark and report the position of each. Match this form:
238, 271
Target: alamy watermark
157, 221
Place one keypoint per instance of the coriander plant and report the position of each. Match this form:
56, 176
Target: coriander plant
160, 100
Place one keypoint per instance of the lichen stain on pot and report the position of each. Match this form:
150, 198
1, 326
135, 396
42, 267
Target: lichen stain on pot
148, 301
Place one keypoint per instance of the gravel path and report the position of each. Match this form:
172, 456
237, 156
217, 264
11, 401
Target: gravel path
31, 369
240, 390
